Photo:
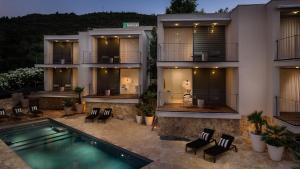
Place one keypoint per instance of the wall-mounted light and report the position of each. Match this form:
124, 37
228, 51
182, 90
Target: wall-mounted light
196, 24
105, 71
213, 72
106, 42
195, 72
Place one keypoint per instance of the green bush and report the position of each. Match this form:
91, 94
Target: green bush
21, 78
256, 119
275, 136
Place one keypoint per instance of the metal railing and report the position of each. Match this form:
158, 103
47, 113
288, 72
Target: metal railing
124, 57
56, 60
185, 52
286, 105
210, 100
288, 48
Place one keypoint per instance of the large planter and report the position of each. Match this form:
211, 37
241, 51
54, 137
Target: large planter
139, 119
78, 108
68, 110
149, 120
257, 144
275, 153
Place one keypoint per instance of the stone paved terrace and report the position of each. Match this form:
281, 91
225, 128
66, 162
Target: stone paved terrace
165, 154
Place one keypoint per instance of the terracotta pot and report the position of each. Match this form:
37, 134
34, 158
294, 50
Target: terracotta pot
139, 119
78, 108
257, 144
275, 153
149, 120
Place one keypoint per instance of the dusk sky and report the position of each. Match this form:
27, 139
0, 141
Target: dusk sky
23, 7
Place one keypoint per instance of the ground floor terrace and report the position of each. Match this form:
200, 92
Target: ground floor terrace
203, 90
165, 154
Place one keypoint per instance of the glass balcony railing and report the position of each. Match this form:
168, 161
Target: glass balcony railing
124, 57
200, 52
288, 48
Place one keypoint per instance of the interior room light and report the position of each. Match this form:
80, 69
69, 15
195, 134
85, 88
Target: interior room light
296, 12
176, 24
213, 72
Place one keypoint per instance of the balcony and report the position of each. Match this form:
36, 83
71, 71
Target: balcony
125, 57
200, 52
196, 103
288, 110
288, 48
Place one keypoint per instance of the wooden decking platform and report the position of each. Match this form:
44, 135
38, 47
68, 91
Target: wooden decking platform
177, 107
292, 118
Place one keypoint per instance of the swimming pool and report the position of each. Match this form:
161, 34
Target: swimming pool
52, 145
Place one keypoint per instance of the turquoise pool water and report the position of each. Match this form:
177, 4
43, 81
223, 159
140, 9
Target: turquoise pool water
49, 145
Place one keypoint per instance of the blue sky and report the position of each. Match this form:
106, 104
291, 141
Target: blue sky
23, 7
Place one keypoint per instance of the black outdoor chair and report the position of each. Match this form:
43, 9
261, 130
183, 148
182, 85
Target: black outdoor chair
93, 115
17, 112
224, 145
3, 114
204, 139
106, 114
34, 110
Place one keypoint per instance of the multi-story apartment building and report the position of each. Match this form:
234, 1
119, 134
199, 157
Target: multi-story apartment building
110, 63
215, 69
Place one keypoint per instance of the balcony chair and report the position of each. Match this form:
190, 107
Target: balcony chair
224, 145
3, 114
34, 110
93, 115
205, 138
106, 114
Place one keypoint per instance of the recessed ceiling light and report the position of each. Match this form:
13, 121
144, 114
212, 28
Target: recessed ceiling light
67, 40
129, 36
116, 36
196, 67
297, 67
296, 12
215, 23
176, 24
216, 67
102, 36
176, 67
56, 40
196, 24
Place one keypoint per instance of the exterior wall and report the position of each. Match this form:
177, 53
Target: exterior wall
76, 56
48, 52
251, 35
74, 78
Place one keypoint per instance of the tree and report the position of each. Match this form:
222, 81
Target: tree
153, 55
225, 10
182, 6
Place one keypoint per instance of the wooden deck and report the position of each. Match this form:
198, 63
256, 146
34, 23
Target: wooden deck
292, 118
122, 96
174, 107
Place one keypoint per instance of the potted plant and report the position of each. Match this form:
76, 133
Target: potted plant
78, 90
68, 103
139, 114
276, 138
149, 114
256, 137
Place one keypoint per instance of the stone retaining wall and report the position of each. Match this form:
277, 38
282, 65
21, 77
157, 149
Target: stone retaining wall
6, 104
190, 127
120, 110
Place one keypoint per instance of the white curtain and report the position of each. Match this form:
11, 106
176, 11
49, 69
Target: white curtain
289, 90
